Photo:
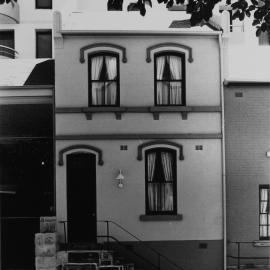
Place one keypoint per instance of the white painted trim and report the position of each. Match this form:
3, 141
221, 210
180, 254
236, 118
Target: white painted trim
140, 32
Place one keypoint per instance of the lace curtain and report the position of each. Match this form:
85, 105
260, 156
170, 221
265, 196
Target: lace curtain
104, 92
169, 92
264, 213
160, 194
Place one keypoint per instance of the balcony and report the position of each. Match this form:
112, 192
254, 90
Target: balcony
7, 52
9, 13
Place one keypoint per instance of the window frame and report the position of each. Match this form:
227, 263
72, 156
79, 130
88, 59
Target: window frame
38, 7
267, 213
117, 80
43, 31
158, 150
12, 33
183, 80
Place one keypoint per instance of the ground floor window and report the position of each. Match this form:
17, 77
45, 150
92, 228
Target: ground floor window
264, 212
161, 181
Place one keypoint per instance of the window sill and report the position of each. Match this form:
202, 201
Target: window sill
261, 243
104, 109
154, 110
177, 217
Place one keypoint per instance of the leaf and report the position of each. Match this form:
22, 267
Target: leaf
236, 15
263, 27
148, 2
251, 7
169, 4
258, 32
256, 22
248, 13
254, 2
235, 5
241, 16
133, 7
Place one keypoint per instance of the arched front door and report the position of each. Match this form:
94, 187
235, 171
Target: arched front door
81, 198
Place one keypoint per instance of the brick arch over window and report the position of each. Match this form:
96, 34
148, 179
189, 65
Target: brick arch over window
158, 143
98, 46
80, 148
176, 47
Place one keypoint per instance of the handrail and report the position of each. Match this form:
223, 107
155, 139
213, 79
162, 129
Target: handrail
132, 251
11, 218
141, 241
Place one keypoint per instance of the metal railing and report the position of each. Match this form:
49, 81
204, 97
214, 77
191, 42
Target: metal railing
239, 255
159, 256
8, 52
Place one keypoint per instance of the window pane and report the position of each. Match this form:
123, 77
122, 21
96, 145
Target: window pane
264, 207
96, 67
7, 40
44, 4
110, 93
98, 93
44, 44
263, 231
264, 194
175, 93
166, 197
111, 67
160, 67
160, 174
175, 64
163, 93
169, 93
153, 196
263, 219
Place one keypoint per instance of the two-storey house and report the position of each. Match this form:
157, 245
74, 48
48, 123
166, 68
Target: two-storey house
139, 135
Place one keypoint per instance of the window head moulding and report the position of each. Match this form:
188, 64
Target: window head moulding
101, 45
159, 142
168, 45
80, 147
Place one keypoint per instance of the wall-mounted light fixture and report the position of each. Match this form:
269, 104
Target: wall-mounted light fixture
120, 178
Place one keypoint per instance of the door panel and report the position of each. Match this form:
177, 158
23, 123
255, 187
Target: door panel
81, 197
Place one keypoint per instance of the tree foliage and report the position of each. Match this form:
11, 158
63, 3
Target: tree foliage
202, 10
7, 1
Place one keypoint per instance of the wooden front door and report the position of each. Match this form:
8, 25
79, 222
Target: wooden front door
81, 198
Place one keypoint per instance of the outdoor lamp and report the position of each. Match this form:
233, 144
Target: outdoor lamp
120, 178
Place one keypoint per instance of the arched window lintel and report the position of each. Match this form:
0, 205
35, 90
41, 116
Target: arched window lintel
169, 47
79, 149
99, 47
159, 144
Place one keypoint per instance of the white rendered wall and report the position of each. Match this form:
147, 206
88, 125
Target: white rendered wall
199, 175
199, 191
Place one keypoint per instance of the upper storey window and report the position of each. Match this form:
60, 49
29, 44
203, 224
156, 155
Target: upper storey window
169, 79
44, 4
104, 80
44, 43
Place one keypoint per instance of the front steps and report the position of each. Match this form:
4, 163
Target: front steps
94, 260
